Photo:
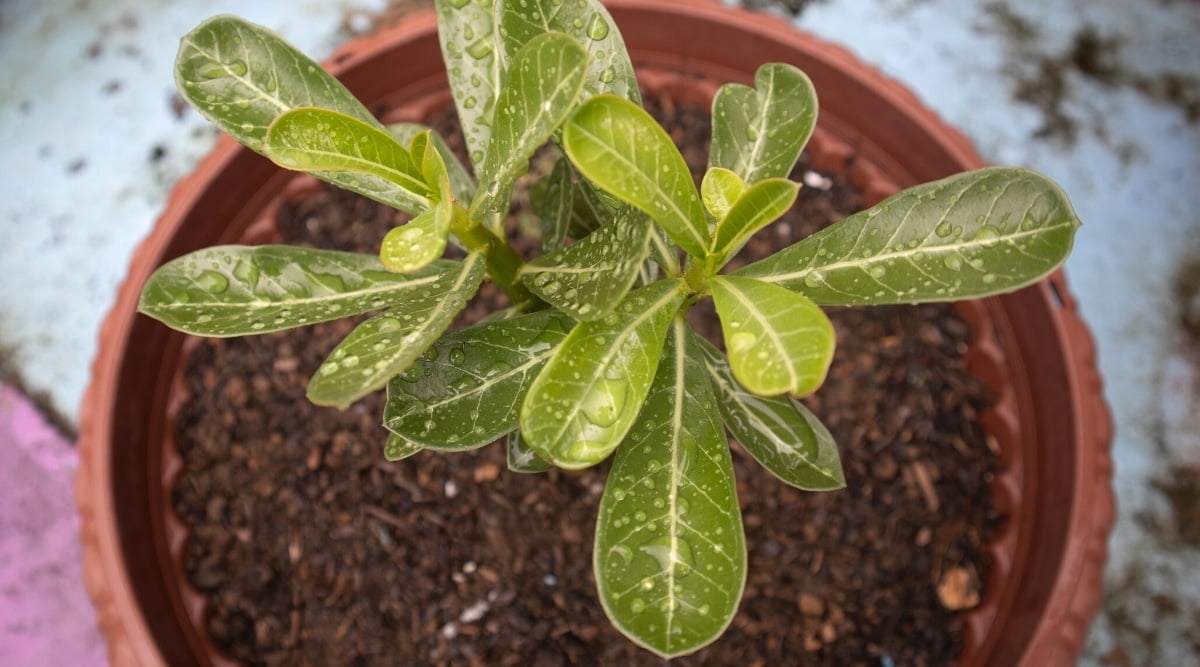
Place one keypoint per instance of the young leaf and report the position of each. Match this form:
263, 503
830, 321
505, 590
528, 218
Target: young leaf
759, 132
397, 448
778, 341
386, 344
422, 239
670, 554
617, 145
523, 459
466, 390
469, 37
971, 235
587, 279
759, 205
461, 182
540, 89
242, 76
227, 291
778, 431
318, 140
588, 21
720, 189
583, 402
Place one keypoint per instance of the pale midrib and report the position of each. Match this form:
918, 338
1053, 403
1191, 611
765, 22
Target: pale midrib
905, 254
765, 325
673, 497
333, 297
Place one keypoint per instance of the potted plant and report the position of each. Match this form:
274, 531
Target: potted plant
593, 356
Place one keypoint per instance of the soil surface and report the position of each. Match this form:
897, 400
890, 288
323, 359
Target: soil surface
315, 551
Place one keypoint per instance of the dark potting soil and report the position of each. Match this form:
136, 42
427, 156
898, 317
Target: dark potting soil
315, 551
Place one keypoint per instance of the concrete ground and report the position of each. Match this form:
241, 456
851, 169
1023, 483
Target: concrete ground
1102, 95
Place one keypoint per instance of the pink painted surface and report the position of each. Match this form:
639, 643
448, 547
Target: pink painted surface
45, 616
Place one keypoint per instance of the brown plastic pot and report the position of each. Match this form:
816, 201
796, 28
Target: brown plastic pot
1030, 347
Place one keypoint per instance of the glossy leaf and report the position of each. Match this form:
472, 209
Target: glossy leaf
589, 22
398, 449
588, 278
238, 290
585, 400
720, 190
778, 341
466, 390
758, 206
759, 132
778, 431
461, 182
539, 91
421, 240
468, 33
970, 235
521, 458
322, 141
624, 151
242, 76
567, 205
670, 554
379, 348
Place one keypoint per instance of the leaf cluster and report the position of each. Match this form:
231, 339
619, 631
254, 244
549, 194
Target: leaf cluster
595, 355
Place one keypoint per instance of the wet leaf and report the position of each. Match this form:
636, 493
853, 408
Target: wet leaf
567, 205
778, 431
379, 348
609, 69
585, 400
758, 206
242, 76
227, 291
321, 141
420, 240
720, 190
979, 233
469, 35
778, 341
398, 449
538, 92
617, 145
670, 554
759, 132
466, 390
461, 182
521, 458
588, 278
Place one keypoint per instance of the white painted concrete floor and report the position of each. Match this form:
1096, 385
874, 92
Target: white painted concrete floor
92, 144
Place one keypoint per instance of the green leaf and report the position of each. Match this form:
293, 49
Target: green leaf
387, 344
617, 145
322, 141
567, 205
242, 77
466, 390
670, 554
539, 91
397, 448
421, 240
720, 190
521, 458
761, 204
971, 235
588, 278
759, 132
461, 182
469, 36
588, 21
778, 431
227, 291
583, 402
778, 340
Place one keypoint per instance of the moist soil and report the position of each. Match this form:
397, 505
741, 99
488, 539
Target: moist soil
315, 551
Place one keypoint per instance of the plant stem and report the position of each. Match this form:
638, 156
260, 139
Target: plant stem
503, 262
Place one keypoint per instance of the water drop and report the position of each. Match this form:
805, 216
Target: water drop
605, 403
597, 27
814, 279
212, 282
350, 362
480, 49
586, 450
877, 271
608, 74
987, 234
952, 262
989, 278
742, 341
638, 605
551, 288
670, 553
457, 356
470, 102
623, 551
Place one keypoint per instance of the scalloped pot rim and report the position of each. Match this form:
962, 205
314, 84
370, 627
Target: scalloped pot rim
1031, 348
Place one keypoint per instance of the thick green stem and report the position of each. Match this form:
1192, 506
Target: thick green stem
502, 261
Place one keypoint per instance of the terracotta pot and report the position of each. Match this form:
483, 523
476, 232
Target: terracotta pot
1031, 348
